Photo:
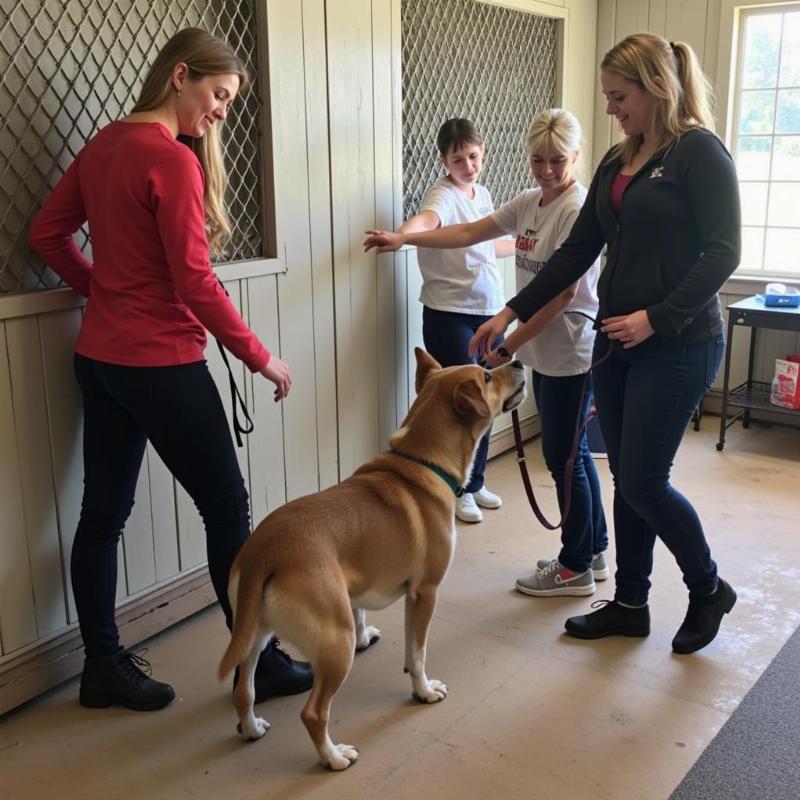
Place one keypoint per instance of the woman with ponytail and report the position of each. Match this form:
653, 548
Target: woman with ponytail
665, 204
151, 187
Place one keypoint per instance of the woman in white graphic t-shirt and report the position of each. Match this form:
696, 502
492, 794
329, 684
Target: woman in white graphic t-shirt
462, 287
556, 345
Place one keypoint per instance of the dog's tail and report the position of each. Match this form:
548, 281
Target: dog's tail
249, 599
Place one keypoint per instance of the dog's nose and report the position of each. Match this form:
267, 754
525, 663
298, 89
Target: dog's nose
517, 364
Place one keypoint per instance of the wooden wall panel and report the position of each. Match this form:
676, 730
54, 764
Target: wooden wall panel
352, 148
266, 443
17, 612
164, 516
295, 287
319, 213
686, 22
36, 473
65, 420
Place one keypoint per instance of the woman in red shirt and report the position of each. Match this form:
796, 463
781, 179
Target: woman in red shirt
155, 207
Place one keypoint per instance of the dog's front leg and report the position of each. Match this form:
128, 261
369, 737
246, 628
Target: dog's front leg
420, 605
366, 635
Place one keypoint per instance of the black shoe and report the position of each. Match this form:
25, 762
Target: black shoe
118, 680
703, 618
610, 619
277, 673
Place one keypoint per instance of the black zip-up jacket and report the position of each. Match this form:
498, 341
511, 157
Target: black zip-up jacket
675, 242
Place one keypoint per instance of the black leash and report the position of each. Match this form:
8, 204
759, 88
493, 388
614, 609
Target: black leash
237, 401
569, 467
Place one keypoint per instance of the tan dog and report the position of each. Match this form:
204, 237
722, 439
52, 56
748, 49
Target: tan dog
312, 565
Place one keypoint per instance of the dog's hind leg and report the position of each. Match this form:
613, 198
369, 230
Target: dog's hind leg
331, 662
420, 605
250, 726
366, 635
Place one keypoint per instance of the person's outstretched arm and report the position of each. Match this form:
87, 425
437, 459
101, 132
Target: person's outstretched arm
464, 234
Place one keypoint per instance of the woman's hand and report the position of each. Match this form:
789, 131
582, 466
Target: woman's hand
385, 241
277, 371
488, 333
631, 329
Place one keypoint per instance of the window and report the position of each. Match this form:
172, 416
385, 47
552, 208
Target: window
766, 139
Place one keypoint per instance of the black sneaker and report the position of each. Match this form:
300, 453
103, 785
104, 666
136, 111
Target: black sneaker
277, 673
610, 619
703, 619
121, 679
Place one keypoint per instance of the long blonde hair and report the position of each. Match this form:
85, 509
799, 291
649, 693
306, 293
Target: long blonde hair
671, 73
203, 54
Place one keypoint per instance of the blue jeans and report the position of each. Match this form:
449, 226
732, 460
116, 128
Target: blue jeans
179, 410
446, 336
584, 532
645, 398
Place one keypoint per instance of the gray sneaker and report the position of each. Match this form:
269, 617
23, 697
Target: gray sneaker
600, 570
555, 579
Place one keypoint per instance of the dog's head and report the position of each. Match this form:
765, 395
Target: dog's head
454, 408
476, 393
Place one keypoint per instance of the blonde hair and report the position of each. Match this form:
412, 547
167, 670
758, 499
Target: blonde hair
555, 129
203, 54
671, 73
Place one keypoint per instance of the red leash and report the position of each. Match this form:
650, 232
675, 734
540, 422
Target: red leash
569, 467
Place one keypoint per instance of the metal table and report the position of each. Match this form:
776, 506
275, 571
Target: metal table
754, 394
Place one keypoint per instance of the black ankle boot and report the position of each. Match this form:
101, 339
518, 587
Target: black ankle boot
703, 618
610, 619
118, 680
277, 673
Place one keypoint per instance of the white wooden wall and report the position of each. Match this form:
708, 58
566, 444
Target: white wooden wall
346, 322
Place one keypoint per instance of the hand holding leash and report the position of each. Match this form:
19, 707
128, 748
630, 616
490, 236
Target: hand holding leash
630, 329
488, 333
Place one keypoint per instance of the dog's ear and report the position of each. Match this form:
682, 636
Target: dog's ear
425, 364
468, 399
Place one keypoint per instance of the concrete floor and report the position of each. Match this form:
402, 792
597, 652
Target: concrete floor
530, 714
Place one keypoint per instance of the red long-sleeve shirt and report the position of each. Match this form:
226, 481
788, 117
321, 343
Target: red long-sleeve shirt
151, 290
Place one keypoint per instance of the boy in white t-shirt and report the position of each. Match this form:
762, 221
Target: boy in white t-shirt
462, 287
560, 353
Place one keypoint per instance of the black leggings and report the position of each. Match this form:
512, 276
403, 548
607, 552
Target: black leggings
179, 410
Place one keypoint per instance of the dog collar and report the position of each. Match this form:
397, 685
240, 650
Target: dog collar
457, 488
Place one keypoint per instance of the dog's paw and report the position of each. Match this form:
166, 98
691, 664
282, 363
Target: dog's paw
342, 757
253, 730
368, 637
434, 692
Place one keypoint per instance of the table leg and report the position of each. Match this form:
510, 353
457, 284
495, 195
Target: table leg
726, 382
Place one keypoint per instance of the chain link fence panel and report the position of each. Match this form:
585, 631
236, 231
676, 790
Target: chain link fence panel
492, 65
69, 67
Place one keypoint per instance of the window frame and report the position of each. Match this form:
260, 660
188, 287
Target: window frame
729, 72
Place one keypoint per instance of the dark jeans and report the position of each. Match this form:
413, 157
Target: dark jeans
584, 532
179, 410
645, 398
446, 336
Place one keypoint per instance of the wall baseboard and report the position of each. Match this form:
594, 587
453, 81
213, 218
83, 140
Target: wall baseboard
61, 658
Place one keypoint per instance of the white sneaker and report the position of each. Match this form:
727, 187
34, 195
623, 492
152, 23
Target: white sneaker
467, 510
486, 499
